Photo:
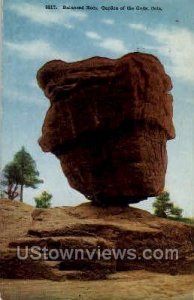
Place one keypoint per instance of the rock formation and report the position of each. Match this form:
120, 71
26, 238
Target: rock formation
108, 123
89, 228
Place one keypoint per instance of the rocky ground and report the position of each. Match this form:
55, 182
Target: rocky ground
130, 285
90, 227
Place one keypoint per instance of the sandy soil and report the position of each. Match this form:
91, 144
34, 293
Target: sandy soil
134, 285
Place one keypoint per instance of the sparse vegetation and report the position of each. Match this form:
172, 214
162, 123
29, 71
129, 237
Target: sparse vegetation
165, 208
189, 221
43, 200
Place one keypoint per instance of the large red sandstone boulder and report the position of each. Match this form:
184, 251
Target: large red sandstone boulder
108, 123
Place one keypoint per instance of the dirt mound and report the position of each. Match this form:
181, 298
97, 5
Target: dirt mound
89, 229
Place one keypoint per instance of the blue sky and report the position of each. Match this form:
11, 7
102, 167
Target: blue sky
33, 35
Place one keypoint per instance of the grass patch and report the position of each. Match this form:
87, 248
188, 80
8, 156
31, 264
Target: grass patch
189, 221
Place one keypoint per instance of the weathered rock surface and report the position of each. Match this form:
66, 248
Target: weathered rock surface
108, 123
88, 227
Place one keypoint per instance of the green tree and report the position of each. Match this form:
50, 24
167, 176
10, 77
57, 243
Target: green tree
2, 194
164, 207
19, 173
177, 212
43, 200
10, 179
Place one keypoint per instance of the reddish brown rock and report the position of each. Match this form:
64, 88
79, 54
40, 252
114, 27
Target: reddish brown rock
108, 123
88, 228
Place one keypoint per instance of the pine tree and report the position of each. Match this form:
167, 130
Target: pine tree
19, 173
10, 179
164, 207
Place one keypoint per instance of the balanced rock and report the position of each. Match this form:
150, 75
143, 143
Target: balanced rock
108, 123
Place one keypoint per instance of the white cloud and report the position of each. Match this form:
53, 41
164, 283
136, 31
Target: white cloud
33, 83
39, 14
137, 26
114, 45
37, 49
93, 35
108, 21
177, 44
